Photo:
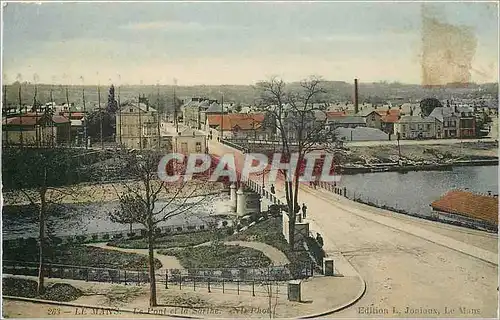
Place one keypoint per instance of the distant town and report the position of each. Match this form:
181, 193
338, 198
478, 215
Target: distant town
144, 123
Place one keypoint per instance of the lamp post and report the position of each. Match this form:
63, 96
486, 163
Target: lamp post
399, 147
222, 117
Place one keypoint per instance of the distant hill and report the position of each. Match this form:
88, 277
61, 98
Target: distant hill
244, 94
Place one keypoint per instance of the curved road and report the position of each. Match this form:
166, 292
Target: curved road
403, 272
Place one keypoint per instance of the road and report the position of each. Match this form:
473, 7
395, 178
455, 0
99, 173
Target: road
401, 270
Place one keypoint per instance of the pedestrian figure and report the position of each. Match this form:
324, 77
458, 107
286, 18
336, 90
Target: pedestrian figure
319, 239
311, 184
304, 210
297, 208
272, 188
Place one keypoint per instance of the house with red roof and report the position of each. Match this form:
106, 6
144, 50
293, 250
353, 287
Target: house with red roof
238, 125
35, 129
467, 208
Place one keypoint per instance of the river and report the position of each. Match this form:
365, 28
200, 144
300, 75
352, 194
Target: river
414, 191
21, 221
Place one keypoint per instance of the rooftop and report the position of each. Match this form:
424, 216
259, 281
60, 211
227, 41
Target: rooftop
245, 121
469, 204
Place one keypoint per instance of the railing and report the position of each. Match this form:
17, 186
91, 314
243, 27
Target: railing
126, 234
240, 280
374, 202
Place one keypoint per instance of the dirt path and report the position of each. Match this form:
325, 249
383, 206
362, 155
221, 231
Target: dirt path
277, 257
167, 262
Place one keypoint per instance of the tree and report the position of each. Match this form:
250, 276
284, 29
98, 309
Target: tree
35, 175
150, 201
301, 128
93, 123
112, 105
429, 104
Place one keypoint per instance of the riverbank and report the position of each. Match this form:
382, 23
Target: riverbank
103, 192
468, 150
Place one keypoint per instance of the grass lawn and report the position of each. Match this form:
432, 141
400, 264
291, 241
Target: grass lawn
269, 232
81, 256
218, 256
27, 289
172, 241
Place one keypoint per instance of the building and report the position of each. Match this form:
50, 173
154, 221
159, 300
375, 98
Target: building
450, 121
468, 208
467, 124
185, 140
334, 122
458, 121
35, 130
417, 127
239, 125
138, 127
388, 119
195, 111
374, 119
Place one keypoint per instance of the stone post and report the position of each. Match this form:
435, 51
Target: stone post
233, 197
294, 290
328, 268
240, 203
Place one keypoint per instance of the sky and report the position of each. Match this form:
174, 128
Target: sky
232, 43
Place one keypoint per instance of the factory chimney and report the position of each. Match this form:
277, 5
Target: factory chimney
356, 101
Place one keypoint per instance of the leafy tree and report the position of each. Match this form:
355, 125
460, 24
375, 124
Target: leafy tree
93, 123
112, 105
429, 104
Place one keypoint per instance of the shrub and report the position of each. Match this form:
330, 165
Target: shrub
175, 274
158, 231
105, 237
224, 223
179, 229
95, 237
191, 227
131, 234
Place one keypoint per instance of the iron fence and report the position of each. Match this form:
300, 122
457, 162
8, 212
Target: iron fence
230, 280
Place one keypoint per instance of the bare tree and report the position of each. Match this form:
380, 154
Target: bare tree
150, 201
301, 127
35, 176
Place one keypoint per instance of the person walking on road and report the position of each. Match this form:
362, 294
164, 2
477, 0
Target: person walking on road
304, 210
272, 189
319, 239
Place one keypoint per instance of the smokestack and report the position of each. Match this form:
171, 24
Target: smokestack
356, 96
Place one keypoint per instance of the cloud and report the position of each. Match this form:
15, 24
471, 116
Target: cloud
176, 26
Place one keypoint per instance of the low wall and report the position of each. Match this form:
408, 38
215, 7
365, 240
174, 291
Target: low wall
123, 234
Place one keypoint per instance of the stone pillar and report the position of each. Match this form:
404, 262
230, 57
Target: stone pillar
232, 194
328, 269
241, 203
294, 293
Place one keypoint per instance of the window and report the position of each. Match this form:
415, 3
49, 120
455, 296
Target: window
184, 147
198, 146
131, 110
404, 127
428, 127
